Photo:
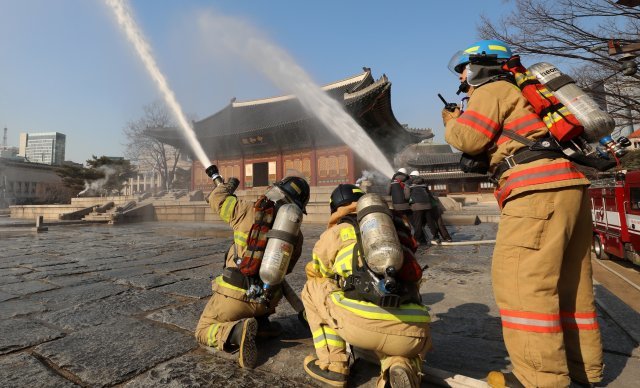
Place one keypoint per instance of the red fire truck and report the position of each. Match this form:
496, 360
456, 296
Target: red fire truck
615, 211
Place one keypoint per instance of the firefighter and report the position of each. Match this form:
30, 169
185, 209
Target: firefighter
399, 336
421, 206
541, 268
399, 191
233, 317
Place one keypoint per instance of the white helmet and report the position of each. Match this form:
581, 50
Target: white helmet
402, 170
414, 173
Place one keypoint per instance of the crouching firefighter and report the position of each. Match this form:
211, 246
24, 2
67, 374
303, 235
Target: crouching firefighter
363, 289
266, 245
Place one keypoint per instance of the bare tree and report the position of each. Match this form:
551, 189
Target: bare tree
148, 152
577, 32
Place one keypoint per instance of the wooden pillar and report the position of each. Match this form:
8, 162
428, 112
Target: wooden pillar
314, 168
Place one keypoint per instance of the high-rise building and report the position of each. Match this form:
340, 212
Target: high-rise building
44, 147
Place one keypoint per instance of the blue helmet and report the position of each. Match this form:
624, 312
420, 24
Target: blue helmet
489, 47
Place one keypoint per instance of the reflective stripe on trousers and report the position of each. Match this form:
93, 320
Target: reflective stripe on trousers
409, 312
327, 337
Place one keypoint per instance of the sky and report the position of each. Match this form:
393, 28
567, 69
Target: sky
67, 67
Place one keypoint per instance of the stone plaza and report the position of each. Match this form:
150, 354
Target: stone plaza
104, 305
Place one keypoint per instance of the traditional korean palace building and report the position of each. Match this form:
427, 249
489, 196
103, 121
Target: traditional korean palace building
439, 165
262, 141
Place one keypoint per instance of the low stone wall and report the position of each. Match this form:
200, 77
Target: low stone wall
194, 211
49, 212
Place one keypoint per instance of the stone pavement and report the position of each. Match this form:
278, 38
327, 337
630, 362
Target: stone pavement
99, 305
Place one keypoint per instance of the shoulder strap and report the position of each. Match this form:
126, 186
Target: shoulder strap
357, 249
517, 137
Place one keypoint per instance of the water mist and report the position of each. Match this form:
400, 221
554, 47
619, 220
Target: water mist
128, 25
251, 45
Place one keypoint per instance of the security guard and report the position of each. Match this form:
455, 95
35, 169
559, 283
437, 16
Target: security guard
228, 321
399, 336
541, 263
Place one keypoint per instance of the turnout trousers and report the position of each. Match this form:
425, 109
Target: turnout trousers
420, 218
542, 280
221, 314
332, 327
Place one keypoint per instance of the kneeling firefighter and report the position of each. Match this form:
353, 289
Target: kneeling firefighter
541, 268
266, 245
363, 288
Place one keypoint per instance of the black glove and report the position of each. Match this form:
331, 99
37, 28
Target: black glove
233, 184
212, 170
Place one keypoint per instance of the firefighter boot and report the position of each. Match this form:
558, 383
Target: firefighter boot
503, 380
331, 375
267, 328
400, 372
243, 335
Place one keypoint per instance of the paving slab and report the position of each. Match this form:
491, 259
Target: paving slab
148, 281
621, 371
27, 287
122, 273
203, 370
70, 296
22, 370
202, 272
106, 310
111, 353
192, 288
9, 279
72, 280
6, 296
185, 316
22, 333
17, 307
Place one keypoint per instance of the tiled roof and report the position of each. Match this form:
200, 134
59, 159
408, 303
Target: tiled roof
434, 159
274, 124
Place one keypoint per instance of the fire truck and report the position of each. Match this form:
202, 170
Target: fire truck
615, 212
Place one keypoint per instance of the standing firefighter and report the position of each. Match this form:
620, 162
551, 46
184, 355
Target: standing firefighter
399, 191
362, 288
541, 263
246, 294
421, 206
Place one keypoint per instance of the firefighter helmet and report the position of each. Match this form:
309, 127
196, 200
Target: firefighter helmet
297, 190
344, 194
498, 48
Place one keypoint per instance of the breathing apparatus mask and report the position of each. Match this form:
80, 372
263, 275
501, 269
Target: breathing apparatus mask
275, 194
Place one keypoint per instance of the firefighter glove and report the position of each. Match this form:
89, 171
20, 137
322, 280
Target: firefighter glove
448, 115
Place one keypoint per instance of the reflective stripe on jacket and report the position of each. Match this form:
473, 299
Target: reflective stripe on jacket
497, 107
333, 255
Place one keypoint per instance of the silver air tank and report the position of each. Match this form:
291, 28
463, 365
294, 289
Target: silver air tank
382, 248
596, 122
281, 240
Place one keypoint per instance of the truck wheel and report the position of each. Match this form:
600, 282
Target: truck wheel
598, 248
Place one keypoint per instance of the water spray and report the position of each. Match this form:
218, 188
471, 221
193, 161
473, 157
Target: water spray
128, 25
285, 73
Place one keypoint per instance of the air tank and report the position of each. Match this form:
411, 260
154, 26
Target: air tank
596, 122
281, 241
380, 243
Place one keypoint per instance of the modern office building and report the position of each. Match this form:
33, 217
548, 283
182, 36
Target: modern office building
44, 147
